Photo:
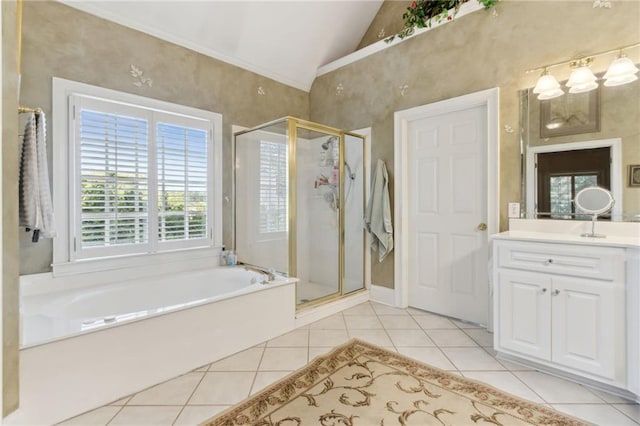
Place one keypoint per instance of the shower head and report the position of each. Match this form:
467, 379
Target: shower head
328, 143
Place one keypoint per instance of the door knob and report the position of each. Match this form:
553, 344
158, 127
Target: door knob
482, 227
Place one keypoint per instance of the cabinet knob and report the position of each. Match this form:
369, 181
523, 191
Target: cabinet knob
482, 227
544, 290
556, 292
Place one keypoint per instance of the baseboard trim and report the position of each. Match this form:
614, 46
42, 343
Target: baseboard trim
384, 295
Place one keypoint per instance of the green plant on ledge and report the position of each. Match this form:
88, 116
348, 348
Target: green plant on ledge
423, 13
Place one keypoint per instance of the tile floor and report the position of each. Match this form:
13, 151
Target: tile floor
435, 340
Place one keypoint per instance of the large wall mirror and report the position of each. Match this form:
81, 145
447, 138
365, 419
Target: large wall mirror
576, 141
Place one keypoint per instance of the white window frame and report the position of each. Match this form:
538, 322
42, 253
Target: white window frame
65, 259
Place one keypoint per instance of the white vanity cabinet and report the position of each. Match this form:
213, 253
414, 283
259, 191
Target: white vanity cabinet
563, 305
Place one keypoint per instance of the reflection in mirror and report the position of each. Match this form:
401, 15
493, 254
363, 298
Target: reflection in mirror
594, 201
561, 171
576, 141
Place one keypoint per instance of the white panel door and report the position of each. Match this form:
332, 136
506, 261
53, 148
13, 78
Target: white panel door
525, 313
585, 322
448, 251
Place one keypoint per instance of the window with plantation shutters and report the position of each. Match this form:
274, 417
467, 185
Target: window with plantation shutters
273, 187
141, 179
182, 182
114, 179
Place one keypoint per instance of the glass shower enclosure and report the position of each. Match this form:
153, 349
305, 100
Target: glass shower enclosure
299, 201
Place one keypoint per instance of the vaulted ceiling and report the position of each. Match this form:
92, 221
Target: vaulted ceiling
283, 40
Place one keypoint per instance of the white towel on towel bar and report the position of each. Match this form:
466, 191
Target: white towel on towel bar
377, 216
36, 209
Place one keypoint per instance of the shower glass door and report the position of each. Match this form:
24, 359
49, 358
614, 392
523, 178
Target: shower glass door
354, 232
317, 165
261, 197
298, 205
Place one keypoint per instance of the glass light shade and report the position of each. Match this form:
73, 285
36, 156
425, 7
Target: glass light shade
619, 81
546, 83
621, 71
550, 94
621, 67
581, 77
586, 87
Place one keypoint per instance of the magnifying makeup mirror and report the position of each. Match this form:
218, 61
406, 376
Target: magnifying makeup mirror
594, 201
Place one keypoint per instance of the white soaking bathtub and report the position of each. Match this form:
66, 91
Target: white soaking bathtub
51, 316
83, 348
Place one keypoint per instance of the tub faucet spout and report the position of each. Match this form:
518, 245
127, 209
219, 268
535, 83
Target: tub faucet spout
270, 275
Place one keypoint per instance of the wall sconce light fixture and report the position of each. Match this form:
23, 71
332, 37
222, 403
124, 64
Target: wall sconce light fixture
621, 71
582, 79
547, 86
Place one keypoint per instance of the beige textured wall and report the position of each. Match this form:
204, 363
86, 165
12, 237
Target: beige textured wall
387, 22
10, 261
469, 54
60, 41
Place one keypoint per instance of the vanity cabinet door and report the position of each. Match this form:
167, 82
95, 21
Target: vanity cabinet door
588, 325
525, 313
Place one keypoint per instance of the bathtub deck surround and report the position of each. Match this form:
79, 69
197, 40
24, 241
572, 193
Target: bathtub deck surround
459, 348
160, 340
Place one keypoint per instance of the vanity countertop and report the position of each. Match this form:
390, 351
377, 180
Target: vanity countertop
556, 237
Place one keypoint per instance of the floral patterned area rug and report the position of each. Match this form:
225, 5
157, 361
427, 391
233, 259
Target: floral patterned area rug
359, 384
